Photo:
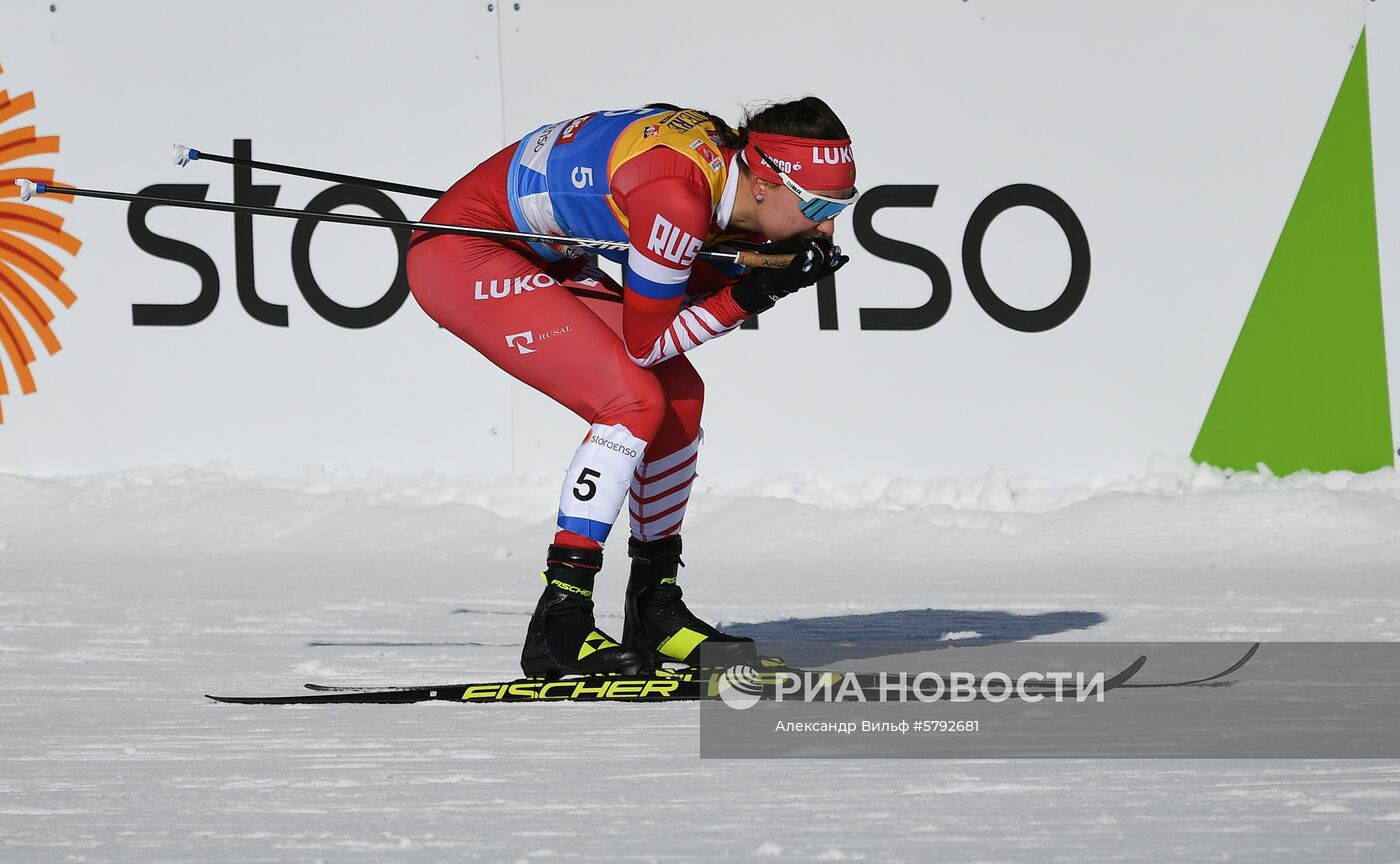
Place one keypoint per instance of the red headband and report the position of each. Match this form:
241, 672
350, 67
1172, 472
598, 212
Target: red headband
819, 164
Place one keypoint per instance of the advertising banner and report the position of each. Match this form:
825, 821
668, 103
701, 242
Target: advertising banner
1089, 233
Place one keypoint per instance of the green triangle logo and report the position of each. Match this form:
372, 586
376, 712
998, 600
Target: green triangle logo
1305, 388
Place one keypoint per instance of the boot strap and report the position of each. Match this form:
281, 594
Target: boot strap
583, 559
657, 551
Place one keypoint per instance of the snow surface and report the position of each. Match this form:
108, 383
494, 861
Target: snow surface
124, 597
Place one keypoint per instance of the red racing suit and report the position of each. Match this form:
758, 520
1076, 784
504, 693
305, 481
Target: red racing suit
656, 178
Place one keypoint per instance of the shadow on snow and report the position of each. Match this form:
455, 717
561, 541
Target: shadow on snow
819, 641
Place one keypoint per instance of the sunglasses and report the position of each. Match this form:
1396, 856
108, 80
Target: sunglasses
813, 205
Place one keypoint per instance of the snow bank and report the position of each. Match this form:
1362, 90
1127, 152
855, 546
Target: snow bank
996, 491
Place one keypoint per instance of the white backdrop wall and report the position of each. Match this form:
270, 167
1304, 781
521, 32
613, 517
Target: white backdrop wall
1178, 133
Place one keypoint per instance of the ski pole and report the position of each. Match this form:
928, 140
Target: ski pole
185, 155
743, 257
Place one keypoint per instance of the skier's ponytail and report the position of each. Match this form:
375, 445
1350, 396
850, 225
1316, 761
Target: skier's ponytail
809, 117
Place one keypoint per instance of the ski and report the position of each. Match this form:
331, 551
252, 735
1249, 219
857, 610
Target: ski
1235, 667
767, 664
670, 686
775, 664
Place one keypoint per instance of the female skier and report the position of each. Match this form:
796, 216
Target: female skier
670, 182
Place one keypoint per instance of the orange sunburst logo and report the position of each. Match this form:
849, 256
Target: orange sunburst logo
24, 267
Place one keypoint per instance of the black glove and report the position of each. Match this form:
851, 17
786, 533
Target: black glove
816, 258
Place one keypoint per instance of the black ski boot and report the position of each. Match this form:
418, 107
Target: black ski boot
657, 620
562, 639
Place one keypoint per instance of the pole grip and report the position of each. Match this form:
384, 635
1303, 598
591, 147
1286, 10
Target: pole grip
767, 261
